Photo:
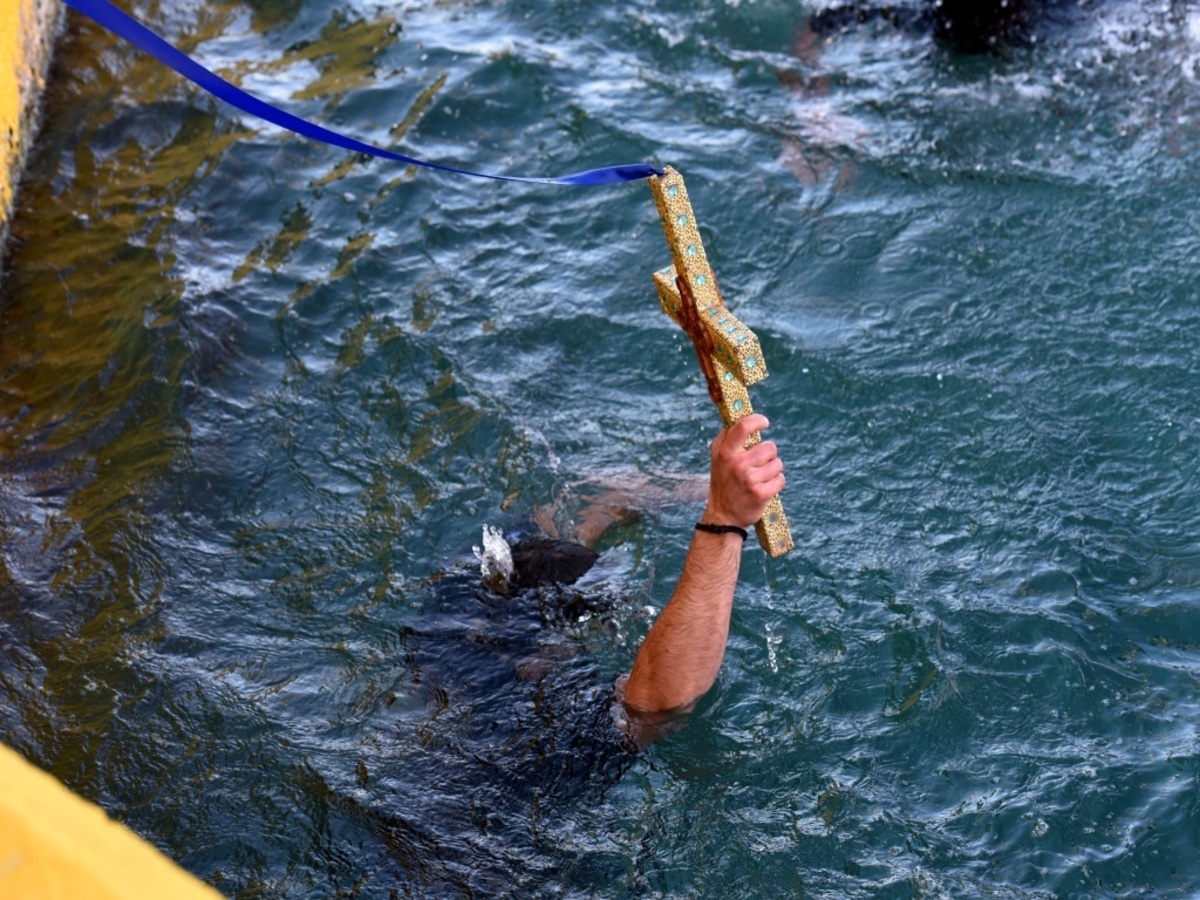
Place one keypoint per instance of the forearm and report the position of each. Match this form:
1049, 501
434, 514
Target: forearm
679, 659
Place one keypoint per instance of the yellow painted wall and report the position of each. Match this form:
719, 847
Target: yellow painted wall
55, 846
27, 29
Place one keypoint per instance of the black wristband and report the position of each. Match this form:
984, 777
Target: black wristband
723, 529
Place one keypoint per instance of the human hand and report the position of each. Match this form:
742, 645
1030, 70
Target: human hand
742, 479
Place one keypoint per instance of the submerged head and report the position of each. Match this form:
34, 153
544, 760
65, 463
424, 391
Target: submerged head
529, 563
539, 561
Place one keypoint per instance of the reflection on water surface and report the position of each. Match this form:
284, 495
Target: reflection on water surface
259, 398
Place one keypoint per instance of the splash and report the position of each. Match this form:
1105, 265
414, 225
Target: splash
495, 559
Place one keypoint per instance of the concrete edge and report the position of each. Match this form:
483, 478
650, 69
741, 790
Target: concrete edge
54, 844
28, 29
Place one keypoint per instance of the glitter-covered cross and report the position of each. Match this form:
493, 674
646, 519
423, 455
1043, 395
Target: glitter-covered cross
729, 352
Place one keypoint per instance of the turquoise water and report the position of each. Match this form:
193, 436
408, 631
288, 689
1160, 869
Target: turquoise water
260, 397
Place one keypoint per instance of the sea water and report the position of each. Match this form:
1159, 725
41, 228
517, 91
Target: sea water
260, 397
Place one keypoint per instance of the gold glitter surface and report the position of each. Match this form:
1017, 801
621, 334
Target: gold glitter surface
737, 355
737, 346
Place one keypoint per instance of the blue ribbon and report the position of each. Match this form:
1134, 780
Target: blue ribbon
116, 21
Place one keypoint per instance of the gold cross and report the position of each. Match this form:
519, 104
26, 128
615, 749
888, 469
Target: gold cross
729, 352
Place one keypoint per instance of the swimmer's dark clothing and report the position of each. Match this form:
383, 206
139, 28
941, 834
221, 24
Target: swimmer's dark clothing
517, 729
968, 26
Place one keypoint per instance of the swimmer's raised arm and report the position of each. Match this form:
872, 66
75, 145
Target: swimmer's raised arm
678, 661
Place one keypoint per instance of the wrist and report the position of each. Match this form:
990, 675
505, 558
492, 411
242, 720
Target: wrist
714, 514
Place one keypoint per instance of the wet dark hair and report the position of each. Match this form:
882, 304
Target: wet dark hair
538, 561
968, 26
974, 26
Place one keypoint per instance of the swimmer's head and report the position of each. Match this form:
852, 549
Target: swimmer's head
530, 562
539, 561
976, 26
